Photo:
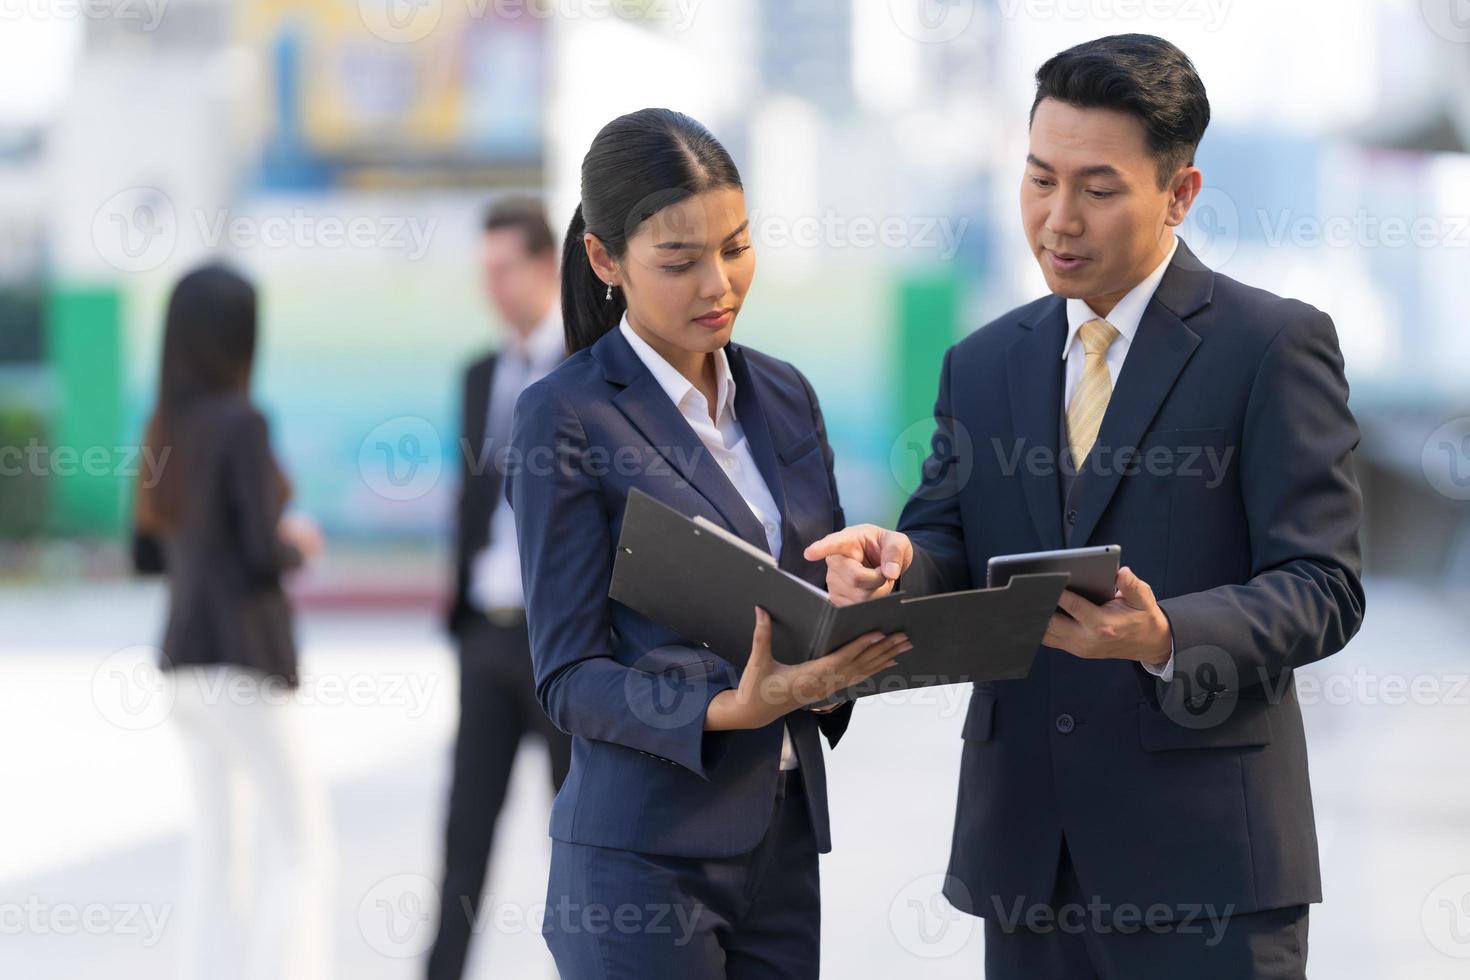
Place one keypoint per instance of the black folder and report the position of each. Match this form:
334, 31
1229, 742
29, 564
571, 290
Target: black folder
703, 582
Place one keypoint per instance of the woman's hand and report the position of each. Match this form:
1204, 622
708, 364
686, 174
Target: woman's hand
770, 690
301, 532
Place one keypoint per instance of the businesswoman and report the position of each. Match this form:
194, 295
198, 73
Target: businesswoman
686, 835
213, 524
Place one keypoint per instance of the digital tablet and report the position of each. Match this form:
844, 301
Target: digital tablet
1093, 572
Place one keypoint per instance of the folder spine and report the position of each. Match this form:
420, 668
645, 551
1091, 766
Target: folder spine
823, 633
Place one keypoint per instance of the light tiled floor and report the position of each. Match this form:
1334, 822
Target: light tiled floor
95, 802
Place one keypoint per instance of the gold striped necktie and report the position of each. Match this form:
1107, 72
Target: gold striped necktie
1090, 400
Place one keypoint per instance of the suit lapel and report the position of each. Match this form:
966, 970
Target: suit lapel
647, 406
757, 431
477, 465
1160, 349
1034, 377
477, 402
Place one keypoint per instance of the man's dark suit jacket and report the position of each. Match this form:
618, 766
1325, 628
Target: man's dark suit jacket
224, 560
479, 487
645, 776
1224, 469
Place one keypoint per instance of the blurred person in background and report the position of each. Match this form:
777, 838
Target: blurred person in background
487, 619
213, 524
697, 799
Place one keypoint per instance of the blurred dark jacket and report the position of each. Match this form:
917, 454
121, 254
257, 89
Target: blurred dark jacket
224, 559
479, 489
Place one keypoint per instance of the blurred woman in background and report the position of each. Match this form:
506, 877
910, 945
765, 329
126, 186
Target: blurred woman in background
213, 524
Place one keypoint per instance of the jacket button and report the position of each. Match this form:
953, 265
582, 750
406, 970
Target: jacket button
1072, 516
1065, 723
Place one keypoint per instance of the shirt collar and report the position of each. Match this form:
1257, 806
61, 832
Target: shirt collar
1126, 316
675, 384
546, 345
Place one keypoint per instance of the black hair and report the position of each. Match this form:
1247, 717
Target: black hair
208, 349
637, 165
1142, 75
528, 216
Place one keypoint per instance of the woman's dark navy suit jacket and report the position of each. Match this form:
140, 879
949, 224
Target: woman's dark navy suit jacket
645, 776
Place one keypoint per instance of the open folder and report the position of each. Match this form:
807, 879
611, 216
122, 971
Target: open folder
703, 582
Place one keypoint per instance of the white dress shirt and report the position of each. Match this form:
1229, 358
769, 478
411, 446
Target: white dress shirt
495, 571
727, 445
1125, 318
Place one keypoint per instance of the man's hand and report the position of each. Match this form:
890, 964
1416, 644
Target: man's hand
1130, 626
863, 561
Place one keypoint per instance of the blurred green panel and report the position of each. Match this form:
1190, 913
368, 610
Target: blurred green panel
928, 323
84, 348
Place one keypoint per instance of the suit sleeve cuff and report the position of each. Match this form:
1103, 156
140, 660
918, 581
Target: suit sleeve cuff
674, 705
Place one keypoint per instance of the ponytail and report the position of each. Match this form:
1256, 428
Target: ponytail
586, 312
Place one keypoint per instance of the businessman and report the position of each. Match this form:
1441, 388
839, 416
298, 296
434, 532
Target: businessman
487, 618
1138, 806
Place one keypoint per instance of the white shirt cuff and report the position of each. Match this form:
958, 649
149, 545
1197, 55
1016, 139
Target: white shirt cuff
1165, 672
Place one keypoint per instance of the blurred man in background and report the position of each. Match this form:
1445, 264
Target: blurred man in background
487, 618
